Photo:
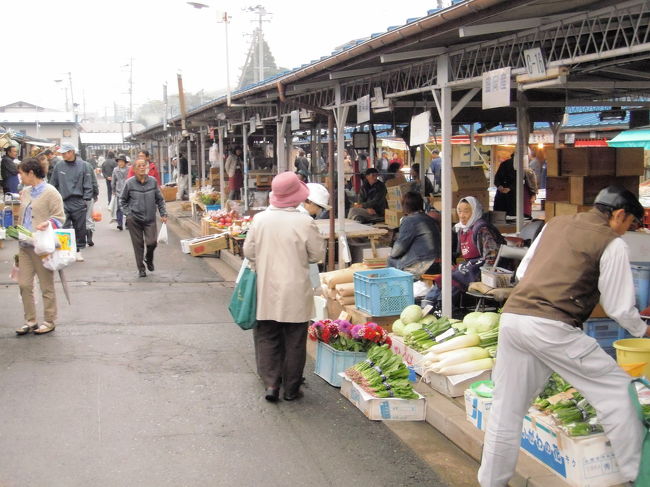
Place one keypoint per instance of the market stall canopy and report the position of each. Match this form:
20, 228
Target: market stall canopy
632, 138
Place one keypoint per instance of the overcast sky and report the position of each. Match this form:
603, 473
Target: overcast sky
95, 40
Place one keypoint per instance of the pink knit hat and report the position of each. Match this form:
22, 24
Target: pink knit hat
287, 190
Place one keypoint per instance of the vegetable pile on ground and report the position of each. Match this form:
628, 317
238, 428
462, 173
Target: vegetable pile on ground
452, 347
383, 374
343, 335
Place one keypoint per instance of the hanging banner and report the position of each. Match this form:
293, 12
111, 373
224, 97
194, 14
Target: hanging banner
496, 88
251, 125
420, 128
295, 120
363, 109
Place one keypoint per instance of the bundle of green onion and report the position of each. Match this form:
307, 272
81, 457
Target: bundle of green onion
425, 337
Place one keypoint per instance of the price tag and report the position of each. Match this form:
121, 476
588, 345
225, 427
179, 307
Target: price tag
445, 335
427, 309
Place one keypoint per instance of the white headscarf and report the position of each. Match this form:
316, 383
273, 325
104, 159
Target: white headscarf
477, 212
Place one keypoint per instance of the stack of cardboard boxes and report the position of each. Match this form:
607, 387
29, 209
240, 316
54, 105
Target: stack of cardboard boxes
466, 181
215, 181
394, 213
576, 175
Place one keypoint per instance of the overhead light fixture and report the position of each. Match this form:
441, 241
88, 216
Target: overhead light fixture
614, 114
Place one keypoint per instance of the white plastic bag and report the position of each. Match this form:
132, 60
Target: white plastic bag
162, 234
44, 241
59, 260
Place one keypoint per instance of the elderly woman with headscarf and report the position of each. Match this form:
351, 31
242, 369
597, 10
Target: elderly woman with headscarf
478, 244
281, 243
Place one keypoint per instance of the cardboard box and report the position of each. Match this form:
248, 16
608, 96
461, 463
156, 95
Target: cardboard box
359, 317
394, 204
482, 195
411, 357
558, 188
588, 161
396, 192
209, 227
629, 161
581, 461
549, 209
454, 385
392, 218
169, 192
208, 245
570, 209
383, 409
469, 177
477, 409
585, 189
552, 162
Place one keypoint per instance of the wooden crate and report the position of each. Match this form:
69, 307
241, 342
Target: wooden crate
169, 193
558, 188
585, 189
552, 162
570, 209
629, 161
549, 209
588, 161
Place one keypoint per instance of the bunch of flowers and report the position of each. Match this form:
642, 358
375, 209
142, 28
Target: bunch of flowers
343, 335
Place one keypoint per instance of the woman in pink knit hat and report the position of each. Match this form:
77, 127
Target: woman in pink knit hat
280, 244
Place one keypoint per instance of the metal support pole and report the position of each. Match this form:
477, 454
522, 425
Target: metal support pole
202, 146
245, 147
222, 190
445, 119
330, 187
189, 166
523, 135
341, 117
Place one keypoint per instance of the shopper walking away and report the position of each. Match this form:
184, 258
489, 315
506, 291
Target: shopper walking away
573, 263
9, 170
140, 198
435, 168
233, 166
90, 222
73, 180
281, 243
183, 175
119, 180
302, 163
107, 172
505, 180
41, 205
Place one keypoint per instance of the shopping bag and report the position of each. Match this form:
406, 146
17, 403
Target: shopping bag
111, 206
162, 234
643, 479
44, 241
97, 213
243, 304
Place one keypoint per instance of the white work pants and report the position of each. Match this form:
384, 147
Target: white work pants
529, 350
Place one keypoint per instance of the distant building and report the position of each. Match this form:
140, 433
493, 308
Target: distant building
41, 123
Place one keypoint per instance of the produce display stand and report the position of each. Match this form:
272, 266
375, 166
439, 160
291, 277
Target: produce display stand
331, 363
354, 229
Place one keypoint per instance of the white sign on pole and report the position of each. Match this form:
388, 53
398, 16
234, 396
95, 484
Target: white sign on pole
363, 109
295, 120
535, 66
496, 88
251, 125
420, 128
379, 96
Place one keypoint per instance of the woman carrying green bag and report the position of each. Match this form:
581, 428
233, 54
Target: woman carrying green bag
280, 244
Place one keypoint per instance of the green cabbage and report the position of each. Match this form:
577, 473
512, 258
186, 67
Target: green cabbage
398, 327
481, 322
411, 327
411, 314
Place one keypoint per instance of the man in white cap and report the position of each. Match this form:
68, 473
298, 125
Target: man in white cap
73, 179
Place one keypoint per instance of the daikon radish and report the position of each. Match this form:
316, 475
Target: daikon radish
429, 359
460, 356
463, 341
473, 366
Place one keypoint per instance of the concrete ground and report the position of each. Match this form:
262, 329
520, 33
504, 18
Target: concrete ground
147, 382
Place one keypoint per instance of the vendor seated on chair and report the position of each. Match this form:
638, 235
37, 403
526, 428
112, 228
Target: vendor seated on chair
417, 248
478, 244
372, 200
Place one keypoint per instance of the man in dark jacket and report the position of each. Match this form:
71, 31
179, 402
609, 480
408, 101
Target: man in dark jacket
372, 199
140, 198
107, 171
9, 170
74, 180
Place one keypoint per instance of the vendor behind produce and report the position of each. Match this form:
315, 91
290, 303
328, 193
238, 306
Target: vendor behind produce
372, 199
575, 262
478, 244
417, 248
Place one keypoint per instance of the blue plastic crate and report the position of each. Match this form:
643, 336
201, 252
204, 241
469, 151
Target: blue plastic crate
383, 292
606, 332
212, 207
331, 362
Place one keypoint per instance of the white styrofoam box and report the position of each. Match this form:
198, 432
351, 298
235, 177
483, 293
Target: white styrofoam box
410, 356
320, 308
382, 253
454, 385
383, 409
477, 409
581, 461
638, 246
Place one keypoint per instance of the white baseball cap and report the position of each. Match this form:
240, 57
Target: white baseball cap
319, 195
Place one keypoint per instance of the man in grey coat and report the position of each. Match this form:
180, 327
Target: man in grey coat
74, 180
140, 198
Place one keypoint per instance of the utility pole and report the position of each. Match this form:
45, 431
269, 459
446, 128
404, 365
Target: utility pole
261, 12
131, 97
74, 109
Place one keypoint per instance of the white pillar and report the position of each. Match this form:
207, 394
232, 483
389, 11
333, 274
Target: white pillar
202, 146
523, 134
189, 166
222, 182
244, 134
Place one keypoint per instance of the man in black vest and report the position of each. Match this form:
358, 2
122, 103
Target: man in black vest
573, 264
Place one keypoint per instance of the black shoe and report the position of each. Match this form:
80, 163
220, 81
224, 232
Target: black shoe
149, 265
89, 238
293, 396
119, 227
142, 273
271, 394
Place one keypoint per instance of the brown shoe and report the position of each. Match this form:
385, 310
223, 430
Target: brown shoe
44, 328
27, 328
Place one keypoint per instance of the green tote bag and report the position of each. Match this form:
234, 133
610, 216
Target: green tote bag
243, 304
643, 479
